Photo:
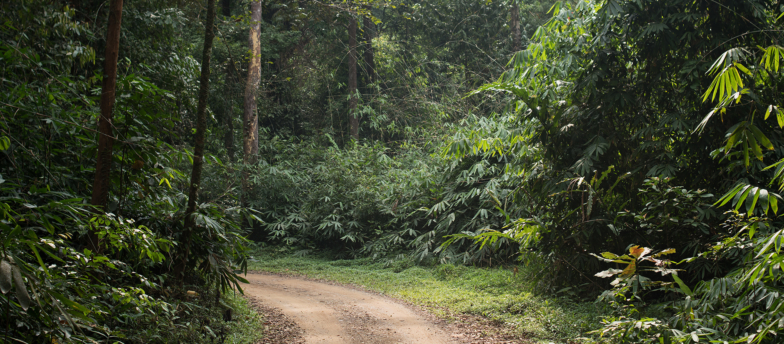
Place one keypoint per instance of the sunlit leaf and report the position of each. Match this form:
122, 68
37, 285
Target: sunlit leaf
608, 273
686, 290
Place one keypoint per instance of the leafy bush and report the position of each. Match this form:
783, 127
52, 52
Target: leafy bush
329, 196
372, 200
57, 291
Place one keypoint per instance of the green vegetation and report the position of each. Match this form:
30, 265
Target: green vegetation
246, 326
447, 290
630, 150
201, 319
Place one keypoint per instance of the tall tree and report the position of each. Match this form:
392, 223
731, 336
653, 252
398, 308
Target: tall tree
352, 77
228, 118
250, 118
369, 33
103, 166
228, 139
201, 117
198, 149
515, 26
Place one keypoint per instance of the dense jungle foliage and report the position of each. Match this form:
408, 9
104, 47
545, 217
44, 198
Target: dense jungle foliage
632, 147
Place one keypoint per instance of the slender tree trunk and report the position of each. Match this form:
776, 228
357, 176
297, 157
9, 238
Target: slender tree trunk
103, 166
250, 142
228, 138
198, 149
352, 78
201, 116
516, 34
370, 64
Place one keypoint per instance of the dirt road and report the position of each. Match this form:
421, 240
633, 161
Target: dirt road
340, 315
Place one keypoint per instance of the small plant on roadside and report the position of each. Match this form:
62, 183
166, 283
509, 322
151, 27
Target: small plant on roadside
627, 297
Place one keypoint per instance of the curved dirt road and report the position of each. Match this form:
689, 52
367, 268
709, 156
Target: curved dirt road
339, 315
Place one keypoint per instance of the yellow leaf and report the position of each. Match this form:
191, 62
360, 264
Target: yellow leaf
630, 270
609, 255
165, 180
639, 252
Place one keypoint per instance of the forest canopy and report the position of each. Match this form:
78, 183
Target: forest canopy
148, 148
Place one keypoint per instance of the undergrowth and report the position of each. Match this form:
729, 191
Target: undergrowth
447, 291
203, 318
246, 326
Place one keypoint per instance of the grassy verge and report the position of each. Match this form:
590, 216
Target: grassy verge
201, 320
495, 293
247, 326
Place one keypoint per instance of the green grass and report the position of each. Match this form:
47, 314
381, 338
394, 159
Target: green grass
247, 326
447, 289
198, 320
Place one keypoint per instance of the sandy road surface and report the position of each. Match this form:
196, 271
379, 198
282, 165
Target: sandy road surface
334, 314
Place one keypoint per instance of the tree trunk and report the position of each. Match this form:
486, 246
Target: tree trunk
198, 149
201, 116
250, 142
103, 166
228, 138
228, 118
370, 64
516, 39
352, 78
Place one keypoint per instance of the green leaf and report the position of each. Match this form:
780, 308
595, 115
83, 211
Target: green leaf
609, 255
729, 195
734, 136
761, 138
750, 205
763, 199
751, 142
742, 68
42, 248
780, 117
774, 204
166, 181
773, 239
741, 196
38, 257
746, 161
682, 285
68, 302
769, 111
770, 59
